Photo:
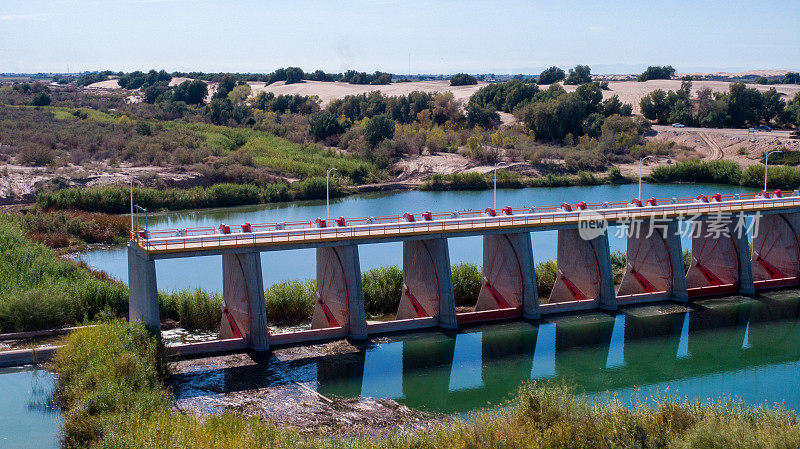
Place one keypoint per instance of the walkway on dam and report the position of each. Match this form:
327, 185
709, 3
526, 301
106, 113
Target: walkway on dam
276, 236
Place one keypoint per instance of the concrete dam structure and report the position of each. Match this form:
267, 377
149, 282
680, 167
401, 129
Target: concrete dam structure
721, 227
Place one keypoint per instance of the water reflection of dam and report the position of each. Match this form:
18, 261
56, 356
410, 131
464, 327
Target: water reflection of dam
458, 372
599, 352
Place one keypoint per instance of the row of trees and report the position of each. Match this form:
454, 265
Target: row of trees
738, 108
555, 115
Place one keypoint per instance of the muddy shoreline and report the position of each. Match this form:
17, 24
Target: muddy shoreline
258, 385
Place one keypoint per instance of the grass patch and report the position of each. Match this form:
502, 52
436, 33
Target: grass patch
116, 199
726, 172
511, 180
110, 383
41, 291
467, 280
290, 302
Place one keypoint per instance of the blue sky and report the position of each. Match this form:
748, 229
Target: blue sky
445, 36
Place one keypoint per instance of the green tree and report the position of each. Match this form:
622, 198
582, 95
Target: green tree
581, 74
323, 125
378, 128
657, 73
745, 105
773, 106
462, 79
655, 106
484, 117
551, 75
294, 75
591, 94
192, 92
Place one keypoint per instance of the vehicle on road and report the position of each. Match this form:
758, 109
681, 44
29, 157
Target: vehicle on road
678, 125
763, 128
794, 135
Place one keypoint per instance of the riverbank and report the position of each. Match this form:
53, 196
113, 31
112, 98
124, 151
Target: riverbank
123, 365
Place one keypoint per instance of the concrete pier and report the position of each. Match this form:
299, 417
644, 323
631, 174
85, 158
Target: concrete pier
584, 272
654, 264
509, 280
719, 259
427, 283
142, 288
244, 313
340, 298
776, 249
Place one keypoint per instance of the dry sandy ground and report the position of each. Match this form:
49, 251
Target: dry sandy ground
632, 92
714, 144
327, 91
17, 182
628, 91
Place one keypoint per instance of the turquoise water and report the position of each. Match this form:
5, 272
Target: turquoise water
206, 272
737, 348
28, 418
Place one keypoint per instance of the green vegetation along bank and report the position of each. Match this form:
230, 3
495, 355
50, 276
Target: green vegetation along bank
726, 172
111, 385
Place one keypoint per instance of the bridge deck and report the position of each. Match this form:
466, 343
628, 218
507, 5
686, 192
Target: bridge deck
395, 228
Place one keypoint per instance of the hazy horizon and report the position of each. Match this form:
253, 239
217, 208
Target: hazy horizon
503, 37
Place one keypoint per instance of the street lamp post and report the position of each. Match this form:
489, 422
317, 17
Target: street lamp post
641, 162
328, 194
132, 230
766, 164
494, 206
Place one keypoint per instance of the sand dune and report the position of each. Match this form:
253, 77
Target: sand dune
629, 91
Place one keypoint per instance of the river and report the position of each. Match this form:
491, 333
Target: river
736, 347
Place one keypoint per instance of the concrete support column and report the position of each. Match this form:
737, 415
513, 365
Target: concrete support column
509, 280
746, 285
678, 291
427, 282
608, 298
776, 249
243, 310
584, 271
142, 289
340, 297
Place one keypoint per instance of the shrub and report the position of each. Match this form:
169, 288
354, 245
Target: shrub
40, 99
143, 129
382, 290
545, 279
38, 308
290, 302
194, 309
36, 155
467, 281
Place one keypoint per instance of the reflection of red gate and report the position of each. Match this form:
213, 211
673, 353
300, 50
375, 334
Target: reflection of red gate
578, 275
715, 262
420, 295
331, 309
776, 252
502, 286
649, 269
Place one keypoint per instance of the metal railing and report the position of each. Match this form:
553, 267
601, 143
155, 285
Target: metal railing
265, 234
